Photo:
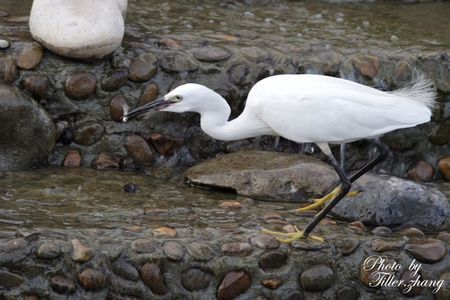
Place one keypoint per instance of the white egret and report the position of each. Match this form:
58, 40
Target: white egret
307, 108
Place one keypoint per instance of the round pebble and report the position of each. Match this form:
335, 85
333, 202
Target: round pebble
80, 85
195, 279
173, 250
152, 277
233, 284
92, 280
317, 278
48, 251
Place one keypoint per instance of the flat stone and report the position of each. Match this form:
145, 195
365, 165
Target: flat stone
382, 231
444, 166
142, 68
93, 30
233, 284
236, 249
427, 250
265, 242
177, 62
10, 280
153, 278
125, 270
48, 251
348, 245
380, 245
358, 226
118, 107
106, 161
411, 232
272, 283
200, 251
421, 171
164, 231
81, 253
92, 280
211, 54
38, 85
444, 236
143, 246
272, 260
195, 279
115, 81
80, 85
30, 56
231, 205
22, 120
8, 69
347, 293
139, 150
173, 250
13, 245
149, 94
72, 159
62, 285
317, 278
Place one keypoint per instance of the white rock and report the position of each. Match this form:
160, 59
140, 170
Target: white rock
79, 28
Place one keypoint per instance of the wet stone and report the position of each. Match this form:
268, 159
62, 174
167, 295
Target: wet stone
236, 249
10, 280
118, 107
238, 74
366, 65
347, 293
233, 284
317, 278
81, 253
211, 54
142, 68
272, 283
13, 245
72, 159
273, 260
115, 81
92, 280
411, 232
165, 145
131, 188
348, 245
139, 150
164, 231
422, 171
444, 236
380, 245
149, 94
444, 292
231, 205
178, 62
170, 43
125, 270
294, 295
195, 279
440, 134
8, 69
199, 251
143, 246
48, 251
38, 85
62, 285
409, 276
173, 250
265, 241
30, 56
153, 278
80, 85
105, 161
308, 245
382, 231
444, 166
427, 251
89, 134
4, 44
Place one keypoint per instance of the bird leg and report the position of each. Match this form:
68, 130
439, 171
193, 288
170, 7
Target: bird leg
322, 201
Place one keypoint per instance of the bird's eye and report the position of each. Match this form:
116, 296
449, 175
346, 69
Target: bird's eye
177, 98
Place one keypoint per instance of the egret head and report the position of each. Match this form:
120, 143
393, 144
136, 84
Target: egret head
188, 97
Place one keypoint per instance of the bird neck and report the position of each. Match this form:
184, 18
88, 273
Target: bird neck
214, 122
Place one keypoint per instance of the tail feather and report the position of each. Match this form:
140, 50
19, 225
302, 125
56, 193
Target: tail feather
419, 89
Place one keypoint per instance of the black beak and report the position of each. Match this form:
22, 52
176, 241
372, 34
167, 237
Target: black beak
155, 105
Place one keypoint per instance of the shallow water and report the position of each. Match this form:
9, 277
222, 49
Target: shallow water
281, 25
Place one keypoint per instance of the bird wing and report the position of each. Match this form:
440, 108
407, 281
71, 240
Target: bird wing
337, 113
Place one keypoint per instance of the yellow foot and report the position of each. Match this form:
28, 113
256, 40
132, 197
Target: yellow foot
285, 237
318, 203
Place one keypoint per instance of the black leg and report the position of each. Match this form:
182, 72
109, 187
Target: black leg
346, 184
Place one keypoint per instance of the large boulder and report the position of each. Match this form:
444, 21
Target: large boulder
79, 28
384, 200
27, 132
